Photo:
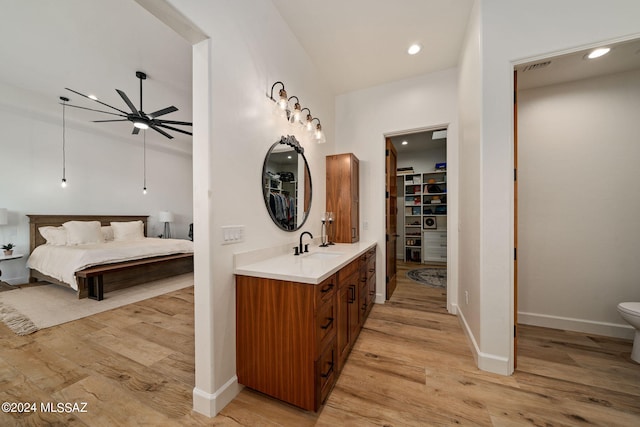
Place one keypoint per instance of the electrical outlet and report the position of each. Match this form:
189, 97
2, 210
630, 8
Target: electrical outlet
232, 234
466, 297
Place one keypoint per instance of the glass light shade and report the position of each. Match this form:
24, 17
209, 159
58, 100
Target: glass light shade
318, 135
296, 115
308, 125
63, 184
144, 190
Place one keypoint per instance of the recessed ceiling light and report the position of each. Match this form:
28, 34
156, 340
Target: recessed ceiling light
95, 98
404, 142
414, 48
597, 53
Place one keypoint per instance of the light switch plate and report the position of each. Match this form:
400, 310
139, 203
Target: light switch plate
232, 234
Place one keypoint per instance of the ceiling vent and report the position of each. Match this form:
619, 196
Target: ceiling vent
536, 66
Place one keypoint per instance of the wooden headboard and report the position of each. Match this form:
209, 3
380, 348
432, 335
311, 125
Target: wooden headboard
36, 221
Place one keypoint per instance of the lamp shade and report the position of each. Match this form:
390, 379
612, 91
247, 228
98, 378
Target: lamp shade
165, 216
4, 217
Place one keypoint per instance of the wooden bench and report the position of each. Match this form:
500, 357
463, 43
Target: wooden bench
92, 278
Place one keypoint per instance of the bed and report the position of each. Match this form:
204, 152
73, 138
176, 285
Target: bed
94, 269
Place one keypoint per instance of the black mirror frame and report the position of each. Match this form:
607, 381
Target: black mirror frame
293, 142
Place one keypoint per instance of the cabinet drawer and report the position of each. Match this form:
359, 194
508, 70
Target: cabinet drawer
347, 271
326, 322
435, 237
325, 372
435, 254
326, 290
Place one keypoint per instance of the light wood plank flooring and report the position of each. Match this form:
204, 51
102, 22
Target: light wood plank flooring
410, 366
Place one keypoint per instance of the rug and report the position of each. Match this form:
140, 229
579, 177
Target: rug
436, 277
27, 310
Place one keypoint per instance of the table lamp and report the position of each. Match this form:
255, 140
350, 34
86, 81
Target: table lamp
166, 217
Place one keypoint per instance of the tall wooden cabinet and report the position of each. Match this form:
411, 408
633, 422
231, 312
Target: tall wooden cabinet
343, 197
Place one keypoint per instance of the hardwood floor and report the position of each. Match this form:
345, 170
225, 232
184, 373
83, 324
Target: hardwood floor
410, 366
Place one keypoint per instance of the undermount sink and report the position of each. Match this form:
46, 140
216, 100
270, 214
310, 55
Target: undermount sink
324, 255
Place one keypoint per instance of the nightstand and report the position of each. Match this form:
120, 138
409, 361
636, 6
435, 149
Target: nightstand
8, 258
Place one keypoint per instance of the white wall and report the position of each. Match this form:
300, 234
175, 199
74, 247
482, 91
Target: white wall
578, 208
501, 33
250, 48
104, 172
363, 118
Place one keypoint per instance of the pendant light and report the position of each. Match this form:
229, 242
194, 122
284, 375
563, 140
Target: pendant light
144, 162
63, 184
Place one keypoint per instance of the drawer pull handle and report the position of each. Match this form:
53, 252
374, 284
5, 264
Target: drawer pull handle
330, 370
330, 321
327, 289
326, 374
352, 294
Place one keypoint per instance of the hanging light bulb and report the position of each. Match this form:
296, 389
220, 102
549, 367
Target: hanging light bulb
296, 114
308, 123
63, 184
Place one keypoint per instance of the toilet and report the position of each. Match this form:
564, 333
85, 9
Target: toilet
630, 311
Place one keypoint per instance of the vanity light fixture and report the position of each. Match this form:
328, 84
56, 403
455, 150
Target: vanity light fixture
308, 121
296, 114
318, 135
282, 103
63, 184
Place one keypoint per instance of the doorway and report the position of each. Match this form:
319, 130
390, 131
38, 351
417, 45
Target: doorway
421, 227
574, 138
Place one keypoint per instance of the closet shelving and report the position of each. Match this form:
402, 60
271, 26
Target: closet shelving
425, 216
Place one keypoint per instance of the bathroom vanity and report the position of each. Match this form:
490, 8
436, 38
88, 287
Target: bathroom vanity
297, 318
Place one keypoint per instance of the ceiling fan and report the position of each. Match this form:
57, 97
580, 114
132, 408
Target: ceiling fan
138, 117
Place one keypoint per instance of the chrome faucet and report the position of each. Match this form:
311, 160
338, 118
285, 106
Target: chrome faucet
300, 249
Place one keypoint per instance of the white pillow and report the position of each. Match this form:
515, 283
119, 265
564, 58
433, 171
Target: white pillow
107, 233
83, 232
132, 230
56, 236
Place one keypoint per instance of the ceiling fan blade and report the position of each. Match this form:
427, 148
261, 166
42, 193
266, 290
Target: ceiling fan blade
135, 131
161, 131
128, 101
173, 122
114, 120
99, 111
99, 102
174, 129
163, 112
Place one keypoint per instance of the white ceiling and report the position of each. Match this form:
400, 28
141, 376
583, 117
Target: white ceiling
96, 46
362, 43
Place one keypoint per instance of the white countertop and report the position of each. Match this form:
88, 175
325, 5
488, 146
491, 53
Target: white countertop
312, 267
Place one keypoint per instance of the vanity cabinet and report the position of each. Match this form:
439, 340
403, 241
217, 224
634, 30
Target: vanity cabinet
286, 338
343, 197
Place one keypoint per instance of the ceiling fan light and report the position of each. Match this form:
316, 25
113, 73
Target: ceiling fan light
140, 124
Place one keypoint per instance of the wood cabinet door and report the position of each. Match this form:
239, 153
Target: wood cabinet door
342, 331
355, 199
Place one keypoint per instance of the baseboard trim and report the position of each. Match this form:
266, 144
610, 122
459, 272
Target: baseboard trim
485, 361
577, 325
210, 404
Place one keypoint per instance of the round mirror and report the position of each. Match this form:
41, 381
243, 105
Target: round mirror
286, 184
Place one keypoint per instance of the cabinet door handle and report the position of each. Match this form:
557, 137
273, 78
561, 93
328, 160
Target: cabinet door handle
352, 294
327, 288
371, 270
353, 233
326, 374
330, 321
364, 279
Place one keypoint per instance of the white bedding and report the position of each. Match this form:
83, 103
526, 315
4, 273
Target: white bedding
62, 262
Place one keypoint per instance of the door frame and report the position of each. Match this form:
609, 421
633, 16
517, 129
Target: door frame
452, 203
